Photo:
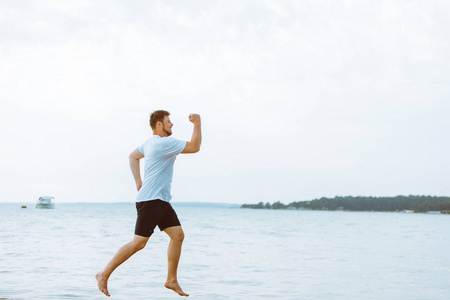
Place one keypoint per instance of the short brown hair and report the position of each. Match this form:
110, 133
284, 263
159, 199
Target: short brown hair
158, 116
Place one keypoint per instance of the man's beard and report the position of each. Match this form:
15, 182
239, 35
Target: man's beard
167, 132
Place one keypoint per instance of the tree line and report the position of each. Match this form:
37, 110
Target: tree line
359, 203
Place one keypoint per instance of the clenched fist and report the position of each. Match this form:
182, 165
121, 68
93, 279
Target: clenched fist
194, 118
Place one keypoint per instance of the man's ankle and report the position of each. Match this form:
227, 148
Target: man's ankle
103, 274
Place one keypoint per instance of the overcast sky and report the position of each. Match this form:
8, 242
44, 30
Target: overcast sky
299, 99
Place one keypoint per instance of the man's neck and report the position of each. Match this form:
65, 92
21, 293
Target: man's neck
161, 134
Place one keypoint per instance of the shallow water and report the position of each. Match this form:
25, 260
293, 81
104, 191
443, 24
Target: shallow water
227, 254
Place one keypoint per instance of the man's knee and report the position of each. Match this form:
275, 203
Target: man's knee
139, 243
177, 236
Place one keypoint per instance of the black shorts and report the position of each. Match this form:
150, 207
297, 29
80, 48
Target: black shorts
152, 213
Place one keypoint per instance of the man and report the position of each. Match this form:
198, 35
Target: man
152, 203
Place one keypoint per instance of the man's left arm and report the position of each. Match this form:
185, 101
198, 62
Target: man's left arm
134, 158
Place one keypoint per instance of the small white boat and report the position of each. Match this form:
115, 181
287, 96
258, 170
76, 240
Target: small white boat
45, 202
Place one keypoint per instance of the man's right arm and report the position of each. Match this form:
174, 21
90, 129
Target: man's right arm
196, 140
134, 158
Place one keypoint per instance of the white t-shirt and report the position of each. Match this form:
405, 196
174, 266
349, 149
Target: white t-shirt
159, 155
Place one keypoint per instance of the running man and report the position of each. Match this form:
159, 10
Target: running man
152, 202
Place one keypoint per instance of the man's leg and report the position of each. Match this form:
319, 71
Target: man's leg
176, 235
124, 253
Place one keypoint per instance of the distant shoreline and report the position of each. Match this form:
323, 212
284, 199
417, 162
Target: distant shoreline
407, 204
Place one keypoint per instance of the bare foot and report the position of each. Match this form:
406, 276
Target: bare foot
102, 283
173, 285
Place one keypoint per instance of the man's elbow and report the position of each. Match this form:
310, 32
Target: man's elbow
191, 149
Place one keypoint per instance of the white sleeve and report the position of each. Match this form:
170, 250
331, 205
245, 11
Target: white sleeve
172, 146
141, 148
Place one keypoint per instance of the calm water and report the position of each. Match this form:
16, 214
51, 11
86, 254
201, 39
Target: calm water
227, 254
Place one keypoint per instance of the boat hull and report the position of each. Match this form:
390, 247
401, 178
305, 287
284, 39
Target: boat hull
45, 206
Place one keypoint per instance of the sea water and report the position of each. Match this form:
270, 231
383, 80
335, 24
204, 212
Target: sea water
228, 253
